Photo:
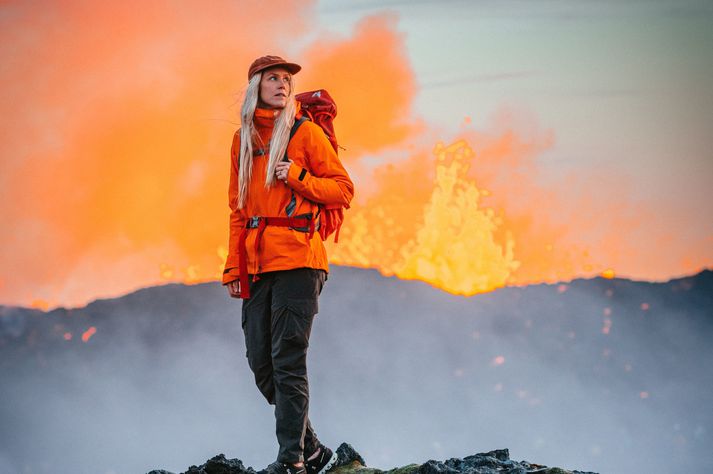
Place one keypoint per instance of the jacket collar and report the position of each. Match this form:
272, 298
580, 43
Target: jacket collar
265, 118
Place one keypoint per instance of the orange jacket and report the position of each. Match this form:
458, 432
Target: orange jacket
325, 181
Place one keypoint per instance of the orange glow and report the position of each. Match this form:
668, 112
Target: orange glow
115, 158
370, 78
608, 273
166, 271
86, 335
40, 304
451, 243
128, 131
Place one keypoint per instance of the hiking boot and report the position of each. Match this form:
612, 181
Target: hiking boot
324, 461
282, 468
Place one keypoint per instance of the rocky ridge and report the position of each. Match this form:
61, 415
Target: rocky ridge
351, 462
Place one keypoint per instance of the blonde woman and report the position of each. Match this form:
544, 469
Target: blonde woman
277, 262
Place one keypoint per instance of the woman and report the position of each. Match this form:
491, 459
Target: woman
276, 261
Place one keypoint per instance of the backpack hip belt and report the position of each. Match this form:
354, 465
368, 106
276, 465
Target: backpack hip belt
302, 223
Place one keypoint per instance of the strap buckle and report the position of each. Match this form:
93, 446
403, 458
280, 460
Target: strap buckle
253, 222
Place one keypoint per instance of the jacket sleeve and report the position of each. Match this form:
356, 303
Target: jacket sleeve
328, 182
237, 216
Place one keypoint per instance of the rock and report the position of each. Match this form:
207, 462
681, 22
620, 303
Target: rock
346, 456
216, 465
351, 462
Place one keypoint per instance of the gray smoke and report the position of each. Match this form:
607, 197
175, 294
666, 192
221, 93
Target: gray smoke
402, 371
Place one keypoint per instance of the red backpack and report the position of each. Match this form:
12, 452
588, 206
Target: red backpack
319, 107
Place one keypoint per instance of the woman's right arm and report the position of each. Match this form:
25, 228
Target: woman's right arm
237, 216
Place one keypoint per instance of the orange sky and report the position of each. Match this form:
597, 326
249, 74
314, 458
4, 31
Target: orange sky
116, 129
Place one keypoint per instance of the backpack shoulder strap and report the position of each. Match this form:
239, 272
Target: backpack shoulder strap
290, 209
295, 126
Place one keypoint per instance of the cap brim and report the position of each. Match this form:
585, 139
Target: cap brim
292, 68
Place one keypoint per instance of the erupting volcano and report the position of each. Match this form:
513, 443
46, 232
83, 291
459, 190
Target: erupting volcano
115, 160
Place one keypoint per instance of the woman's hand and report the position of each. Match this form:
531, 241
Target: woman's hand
282, 169
234, 289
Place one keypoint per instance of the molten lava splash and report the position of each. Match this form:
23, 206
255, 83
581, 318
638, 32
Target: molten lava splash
456, 249
86, 335
452, 244
608, 274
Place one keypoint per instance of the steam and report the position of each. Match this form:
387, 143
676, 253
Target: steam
402, 371
121, 128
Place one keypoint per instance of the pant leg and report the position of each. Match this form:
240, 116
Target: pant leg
256, 322
310, 440
294, 303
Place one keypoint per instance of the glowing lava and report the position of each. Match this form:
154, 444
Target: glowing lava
456, 248
452, 242
86, 335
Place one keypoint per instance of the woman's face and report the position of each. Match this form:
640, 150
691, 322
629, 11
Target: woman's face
274, 88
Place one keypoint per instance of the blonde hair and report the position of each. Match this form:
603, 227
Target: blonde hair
248, 133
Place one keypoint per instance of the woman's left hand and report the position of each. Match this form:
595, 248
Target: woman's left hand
282, 169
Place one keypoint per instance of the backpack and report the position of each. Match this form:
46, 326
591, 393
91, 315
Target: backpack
319, 107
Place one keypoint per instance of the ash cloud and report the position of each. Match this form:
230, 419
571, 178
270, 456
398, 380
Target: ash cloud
402, 371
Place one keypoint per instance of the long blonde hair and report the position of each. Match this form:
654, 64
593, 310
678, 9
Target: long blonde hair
248, 133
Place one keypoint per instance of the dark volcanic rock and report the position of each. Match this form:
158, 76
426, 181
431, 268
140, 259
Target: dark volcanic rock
351, 462
347, 455
216, 465
492, 462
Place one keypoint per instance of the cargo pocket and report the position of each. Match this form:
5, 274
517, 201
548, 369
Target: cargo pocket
294, 323
303, 306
